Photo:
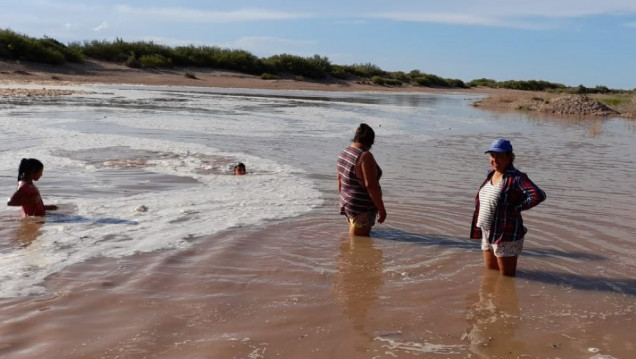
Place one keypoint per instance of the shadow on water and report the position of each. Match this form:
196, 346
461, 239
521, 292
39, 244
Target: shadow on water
393, 234
622, 286
568, 280
74, 218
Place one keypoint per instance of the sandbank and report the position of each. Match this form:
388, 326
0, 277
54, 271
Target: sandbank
15, 73
99, 72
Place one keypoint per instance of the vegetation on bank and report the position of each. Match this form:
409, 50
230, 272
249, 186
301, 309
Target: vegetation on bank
535, 85
148, 55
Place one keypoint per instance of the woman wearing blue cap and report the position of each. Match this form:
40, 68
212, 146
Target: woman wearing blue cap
501, 198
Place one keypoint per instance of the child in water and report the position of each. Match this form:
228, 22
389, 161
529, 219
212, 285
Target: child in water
27, 195
239, 169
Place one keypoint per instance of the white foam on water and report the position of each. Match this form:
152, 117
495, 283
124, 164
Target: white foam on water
114, 226
268, 116
393, 347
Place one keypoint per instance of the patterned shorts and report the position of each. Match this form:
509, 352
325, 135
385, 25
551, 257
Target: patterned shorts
503, 249
362, 220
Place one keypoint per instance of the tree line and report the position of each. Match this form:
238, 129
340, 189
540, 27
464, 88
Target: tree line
149, 55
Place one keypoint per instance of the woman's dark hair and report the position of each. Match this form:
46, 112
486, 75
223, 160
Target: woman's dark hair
240, 165
364, 135
29, 166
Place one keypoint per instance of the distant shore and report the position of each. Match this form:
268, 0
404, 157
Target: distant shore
98, 72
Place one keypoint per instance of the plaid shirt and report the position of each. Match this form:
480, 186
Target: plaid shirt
518, 194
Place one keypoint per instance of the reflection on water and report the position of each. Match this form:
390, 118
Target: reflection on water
28, 231
493, 316
358, 280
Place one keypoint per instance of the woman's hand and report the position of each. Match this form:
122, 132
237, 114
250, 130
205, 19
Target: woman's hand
381, 215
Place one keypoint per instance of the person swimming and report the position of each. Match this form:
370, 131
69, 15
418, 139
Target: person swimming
239, 169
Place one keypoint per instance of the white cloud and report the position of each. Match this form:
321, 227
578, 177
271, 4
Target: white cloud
168, 41
556, 9
352, 22
533, 15
202, 16
457, 19
100, 27
510, 9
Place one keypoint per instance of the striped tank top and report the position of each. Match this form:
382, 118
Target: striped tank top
354, 198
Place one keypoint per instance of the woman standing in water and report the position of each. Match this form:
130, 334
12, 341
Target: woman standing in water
497, 219
358, 183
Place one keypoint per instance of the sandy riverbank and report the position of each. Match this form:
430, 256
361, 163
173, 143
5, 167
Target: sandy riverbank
108, 73
98, 72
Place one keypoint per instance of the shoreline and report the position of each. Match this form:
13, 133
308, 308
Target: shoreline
98, 72
93, 72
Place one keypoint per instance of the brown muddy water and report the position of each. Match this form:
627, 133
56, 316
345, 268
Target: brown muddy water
262, 266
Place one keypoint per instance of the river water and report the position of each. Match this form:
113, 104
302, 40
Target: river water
157, 251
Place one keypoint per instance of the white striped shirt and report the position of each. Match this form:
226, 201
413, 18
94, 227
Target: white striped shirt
488, 197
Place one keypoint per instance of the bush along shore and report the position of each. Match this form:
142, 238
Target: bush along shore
150, 56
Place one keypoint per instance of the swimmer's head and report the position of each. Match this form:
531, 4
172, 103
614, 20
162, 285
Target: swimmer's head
239, 169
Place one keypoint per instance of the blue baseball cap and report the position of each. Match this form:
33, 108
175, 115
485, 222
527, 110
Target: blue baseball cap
500, 145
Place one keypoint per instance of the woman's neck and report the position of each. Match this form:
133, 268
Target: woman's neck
360, 146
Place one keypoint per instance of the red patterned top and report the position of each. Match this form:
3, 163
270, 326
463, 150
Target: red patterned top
28, 196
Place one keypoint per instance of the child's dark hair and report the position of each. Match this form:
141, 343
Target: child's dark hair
29, 166
240, 165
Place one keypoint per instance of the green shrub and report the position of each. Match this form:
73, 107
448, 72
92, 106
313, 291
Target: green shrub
378, 80
382, 81
483, 82
154, 61
268, 76
192, 56
339, 72
42, 53
602, 89
429, 80
238, 60
613, 101
132, 61
314, 67
14, 46
365, 70
119, 50
413, 74
400, 77
531, 85
213, 56
456, 83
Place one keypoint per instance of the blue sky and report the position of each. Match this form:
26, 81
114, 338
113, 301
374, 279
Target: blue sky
588, 42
